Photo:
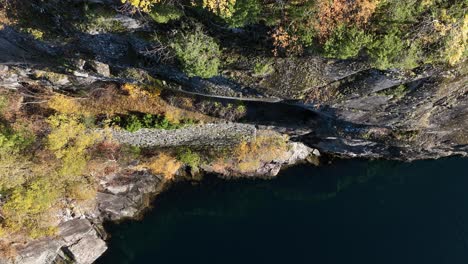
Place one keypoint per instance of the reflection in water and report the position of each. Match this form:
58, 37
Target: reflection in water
352, 211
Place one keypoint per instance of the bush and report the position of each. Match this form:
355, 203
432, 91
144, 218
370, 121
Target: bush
198, 54
165, 13
14, 170
163, 164
188, 157
143, 5
69, 140
134, 123
27, 208
263, 68
346, 42
222, 8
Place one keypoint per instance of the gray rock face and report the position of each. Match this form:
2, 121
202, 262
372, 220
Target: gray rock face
77, 240
87, 250
98, 67
124, 196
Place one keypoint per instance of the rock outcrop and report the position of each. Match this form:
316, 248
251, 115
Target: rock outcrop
77, 240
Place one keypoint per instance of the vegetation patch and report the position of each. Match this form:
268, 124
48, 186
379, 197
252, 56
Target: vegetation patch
163, 164
164, 13
135, 122
198, 53
249, 156
189, 157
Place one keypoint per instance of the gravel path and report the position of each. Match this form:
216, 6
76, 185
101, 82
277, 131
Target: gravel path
199, 135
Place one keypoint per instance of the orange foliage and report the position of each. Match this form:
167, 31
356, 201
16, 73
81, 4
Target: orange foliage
284, 43
131, 98
163, 164
248, 156
333, 13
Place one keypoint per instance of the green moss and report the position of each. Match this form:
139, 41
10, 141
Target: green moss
163, 13
261, 69
396, 92
100, 20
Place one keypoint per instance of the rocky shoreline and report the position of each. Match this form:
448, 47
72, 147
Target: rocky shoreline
82, 238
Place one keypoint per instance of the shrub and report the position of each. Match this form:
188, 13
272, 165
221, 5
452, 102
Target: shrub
68, 140
35, 33
263, 68
14, 141
14, 167
143, 5
187, 156
456, 46
14, 170
163, 164
27, 208
223, 8
165, 13
346, 42
248, 156
198, 54
134, 123
65, 105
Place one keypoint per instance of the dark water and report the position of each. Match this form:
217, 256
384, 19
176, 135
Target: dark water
348, 212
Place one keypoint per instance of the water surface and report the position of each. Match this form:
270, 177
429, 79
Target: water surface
351, 211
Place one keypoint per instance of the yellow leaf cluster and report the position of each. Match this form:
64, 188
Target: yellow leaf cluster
65, 105
248, 156
143, 5
27, 208
69, 140
457, 43
223, 8
136, 91
163, 164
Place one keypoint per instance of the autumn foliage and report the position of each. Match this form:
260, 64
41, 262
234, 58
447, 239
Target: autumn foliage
331, 14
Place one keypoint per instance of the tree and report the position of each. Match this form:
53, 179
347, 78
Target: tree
198, 53
346, 42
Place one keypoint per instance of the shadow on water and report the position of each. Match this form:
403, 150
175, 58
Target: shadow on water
352, 211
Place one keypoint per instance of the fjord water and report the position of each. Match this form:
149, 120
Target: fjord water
351, 211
